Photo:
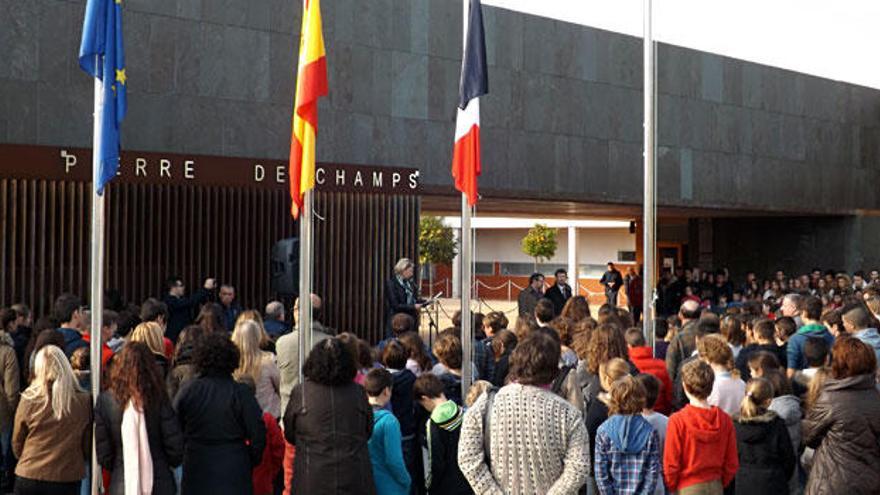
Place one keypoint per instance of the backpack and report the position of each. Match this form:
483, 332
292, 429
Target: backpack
560, 378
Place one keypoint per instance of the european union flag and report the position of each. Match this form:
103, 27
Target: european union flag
101, 54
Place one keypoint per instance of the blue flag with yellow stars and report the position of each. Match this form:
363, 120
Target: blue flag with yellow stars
101, 54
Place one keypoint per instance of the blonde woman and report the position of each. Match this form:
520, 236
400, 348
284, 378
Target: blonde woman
250, 315
151, 334
51, 430
766, 457
257, 365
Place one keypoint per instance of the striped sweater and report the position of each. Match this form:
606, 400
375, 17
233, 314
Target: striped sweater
538, 444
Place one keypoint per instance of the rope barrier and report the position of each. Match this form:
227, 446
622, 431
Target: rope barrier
509, 285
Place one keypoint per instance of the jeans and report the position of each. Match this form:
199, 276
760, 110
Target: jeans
411, 458
86, 484
611, 296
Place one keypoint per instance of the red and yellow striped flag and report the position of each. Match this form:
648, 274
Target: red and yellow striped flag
311, 84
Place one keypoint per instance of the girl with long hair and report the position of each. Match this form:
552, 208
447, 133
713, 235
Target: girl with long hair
257, 365
418, 361
211, 318
151, 334
766, 456
134, 417
51, 429
577, 308
183, 369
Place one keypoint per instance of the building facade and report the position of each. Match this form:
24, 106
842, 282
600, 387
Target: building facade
761, 166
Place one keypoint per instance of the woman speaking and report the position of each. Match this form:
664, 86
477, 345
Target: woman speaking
401, 293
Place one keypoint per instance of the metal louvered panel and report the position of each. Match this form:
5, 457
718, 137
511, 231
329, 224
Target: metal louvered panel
156, 230
356, 246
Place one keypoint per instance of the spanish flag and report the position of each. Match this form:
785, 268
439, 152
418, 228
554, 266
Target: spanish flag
474, 83
311, 84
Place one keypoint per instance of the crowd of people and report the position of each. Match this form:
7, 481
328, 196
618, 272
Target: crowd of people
199, 395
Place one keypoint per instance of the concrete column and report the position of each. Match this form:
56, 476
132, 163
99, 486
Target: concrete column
572, 260
456, 266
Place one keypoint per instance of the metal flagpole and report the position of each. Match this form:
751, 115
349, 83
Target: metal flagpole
304, 322
648, 209
467, 331
97, 271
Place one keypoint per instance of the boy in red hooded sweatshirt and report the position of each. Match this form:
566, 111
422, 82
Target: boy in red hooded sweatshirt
700, 453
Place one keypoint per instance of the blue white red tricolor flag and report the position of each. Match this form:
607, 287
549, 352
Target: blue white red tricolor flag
474, 83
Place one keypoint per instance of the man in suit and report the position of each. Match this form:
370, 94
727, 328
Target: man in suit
180, 307
401, 293
560, 293
529, 296
612, 281
274, 321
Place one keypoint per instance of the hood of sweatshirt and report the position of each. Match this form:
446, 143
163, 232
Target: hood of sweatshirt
380, 415
704, 424
756, 429
447, 416
869, 336
787, 407
629, 434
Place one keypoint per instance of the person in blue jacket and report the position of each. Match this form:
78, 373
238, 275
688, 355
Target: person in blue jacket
386, 454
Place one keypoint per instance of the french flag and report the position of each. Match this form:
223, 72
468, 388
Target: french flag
474, 83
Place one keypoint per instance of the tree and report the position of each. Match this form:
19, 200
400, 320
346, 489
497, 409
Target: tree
436, 244
540, 243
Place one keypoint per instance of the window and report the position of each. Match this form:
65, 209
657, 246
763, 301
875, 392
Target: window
484, 268
626, 256
526, 269
591, 271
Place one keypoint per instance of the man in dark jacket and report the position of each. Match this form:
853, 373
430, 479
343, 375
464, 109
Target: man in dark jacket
69, 311
273, 320
528, 298
181, 308
560, 293
231, 309
763, 337
683, 344
612, 280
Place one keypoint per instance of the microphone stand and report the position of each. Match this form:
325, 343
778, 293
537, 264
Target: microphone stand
431, 323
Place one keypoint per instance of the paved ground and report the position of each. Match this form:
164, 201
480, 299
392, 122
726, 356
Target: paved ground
446, 307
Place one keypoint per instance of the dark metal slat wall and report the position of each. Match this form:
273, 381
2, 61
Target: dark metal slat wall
194, 231
353, 258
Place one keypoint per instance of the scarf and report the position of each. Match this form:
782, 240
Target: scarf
408, 288
138, 463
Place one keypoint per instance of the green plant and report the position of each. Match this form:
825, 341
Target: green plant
540, 243
437, 244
